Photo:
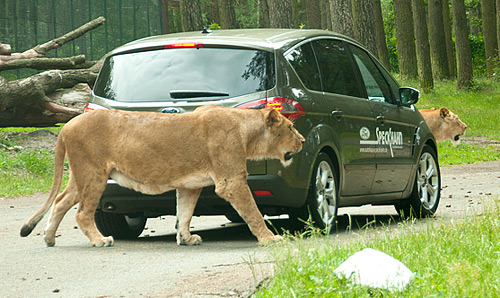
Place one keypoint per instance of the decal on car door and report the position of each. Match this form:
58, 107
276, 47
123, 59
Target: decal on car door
386, 140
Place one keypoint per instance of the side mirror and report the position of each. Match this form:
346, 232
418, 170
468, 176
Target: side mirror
409, 96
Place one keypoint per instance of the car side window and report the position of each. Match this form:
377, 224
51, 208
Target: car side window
377, 87
337, 72
304, 63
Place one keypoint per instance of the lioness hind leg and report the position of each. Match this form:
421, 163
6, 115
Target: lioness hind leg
89, 199
62, 204
186, 202
238, 194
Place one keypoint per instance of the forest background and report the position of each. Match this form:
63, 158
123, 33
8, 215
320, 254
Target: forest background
423, 40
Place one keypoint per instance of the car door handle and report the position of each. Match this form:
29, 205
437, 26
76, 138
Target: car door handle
381, 119
338, 114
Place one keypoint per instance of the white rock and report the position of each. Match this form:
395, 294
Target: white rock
376, 269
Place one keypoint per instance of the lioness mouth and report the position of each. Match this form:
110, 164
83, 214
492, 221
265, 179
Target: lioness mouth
288, 156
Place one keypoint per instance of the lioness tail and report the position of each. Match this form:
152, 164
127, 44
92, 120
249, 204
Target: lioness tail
56, 185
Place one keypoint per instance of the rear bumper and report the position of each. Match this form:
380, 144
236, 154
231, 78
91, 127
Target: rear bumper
118, 199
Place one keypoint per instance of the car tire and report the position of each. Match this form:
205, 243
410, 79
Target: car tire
120, 226
322, 198
426, 193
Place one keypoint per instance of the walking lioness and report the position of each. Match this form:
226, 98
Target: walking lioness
153, 153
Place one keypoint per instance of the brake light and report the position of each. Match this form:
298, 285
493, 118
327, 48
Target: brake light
92, 107
288, 108
183, 45
262, 193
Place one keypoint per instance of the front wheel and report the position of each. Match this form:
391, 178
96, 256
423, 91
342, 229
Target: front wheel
424, 199
322, 197
120, 226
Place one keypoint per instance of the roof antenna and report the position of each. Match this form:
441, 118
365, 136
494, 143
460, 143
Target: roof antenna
206, 31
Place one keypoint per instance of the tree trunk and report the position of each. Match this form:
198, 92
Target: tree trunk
405, 41
498, 26
280, 13
27, 102
364, 24
423, 51
439, 59
448, 38
464, 57
341, 14
383, 53
490, 34
313, 14
165, 21
191, 15
264, 14
227, 16
326, 19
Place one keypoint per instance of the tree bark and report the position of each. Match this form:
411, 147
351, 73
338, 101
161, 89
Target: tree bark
227, 16
264, 14
342, 20
490, 34
364, 24
313, 14
26, 102
405, 42
191, 15
448, 38
464, 57
280, 14
383, 53
439, 59
326, 16
423, 51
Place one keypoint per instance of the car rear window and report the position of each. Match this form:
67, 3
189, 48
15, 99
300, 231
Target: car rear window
185, 74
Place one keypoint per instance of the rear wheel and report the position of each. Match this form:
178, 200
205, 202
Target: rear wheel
321, 203
120, 226
424, 199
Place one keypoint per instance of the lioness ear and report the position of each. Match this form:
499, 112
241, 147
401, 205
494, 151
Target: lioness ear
272, 117
444, 112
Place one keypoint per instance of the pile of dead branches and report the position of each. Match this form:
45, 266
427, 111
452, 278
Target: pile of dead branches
53, 96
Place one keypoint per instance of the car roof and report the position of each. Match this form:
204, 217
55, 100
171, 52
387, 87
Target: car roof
264, 39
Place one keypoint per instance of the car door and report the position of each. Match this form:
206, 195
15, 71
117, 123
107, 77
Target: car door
394, 129
350, 115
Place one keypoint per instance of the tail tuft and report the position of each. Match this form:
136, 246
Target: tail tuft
26, 230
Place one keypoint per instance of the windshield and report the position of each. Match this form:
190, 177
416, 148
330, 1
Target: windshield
188, 74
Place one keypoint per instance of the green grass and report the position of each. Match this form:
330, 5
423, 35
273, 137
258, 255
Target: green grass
24, 172
457, 259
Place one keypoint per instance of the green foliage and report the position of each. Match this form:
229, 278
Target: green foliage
457, 259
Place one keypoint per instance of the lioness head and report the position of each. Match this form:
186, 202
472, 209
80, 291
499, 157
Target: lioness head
285, 140
444, 124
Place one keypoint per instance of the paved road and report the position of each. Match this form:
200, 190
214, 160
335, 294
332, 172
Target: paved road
154, 266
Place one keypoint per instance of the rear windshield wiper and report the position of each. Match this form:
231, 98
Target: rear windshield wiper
196, 93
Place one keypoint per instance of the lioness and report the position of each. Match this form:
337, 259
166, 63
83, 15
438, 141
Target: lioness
444, 124
153, 153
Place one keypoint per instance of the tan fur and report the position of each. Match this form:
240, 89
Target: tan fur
444, 124
153, 153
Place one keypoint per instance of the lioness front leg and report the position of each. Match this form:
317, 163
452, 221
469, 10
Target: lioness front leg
238, 194
186, 202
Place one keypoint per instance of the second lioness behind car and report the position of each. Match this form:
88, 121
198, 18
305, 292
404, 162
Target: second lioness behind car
366, 143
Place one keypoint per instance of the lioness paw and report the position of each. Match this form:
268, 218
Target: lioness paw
270, 240
191, 240
104, 242
49, 241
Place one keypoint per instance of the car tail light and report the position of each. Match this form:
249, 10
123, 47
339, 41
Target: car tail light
183, 45
92, 107
262, 193
289, 108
